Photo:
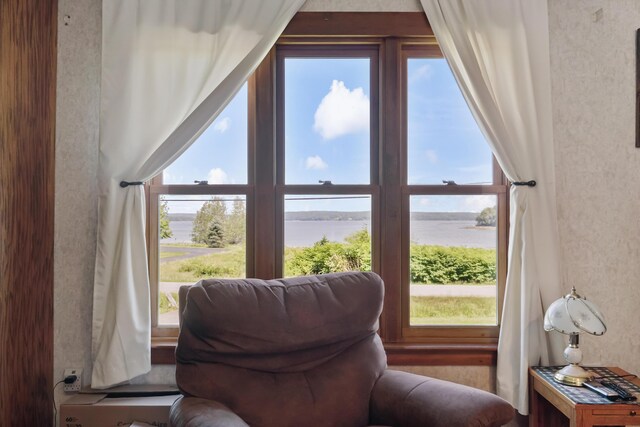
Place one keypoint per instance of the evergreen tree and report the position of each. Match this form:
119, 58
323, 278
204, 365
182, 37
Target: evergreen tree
212, 210
215, 235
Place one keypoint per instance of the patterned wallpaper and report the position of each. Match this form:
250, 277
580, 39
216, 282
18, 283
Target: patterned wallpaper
593, 54
76, 203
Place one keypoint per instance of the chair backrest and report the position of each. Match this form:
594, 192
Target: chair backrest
288, 352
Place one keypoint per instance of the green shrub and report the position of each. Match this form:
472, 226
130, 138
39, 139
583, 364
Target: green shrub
320, 258
327, 257
429, 263
444, 265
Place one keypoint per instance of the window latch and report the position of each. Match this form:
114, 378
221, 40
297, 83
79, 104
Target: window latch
325, 182
451, 182
201, 182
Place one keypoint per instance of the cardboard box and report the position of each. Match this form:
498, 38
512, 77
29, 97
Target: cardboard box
99, 410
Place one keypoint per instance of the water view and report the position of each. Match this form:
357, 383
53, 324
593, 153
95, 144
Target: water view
429, 232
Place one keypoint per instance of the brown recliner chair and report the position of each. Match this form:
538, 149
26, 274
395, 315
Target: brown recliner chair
304, 352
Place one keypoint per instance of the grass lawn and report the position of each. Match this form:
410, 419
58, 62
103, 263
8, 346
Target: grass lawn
426, 310
230, 263
452, 311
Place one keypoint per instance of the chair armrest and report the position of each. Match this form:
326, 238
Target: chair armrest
401, 399
196, 412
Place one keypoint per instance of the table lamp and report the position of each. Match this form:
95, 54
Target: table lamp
573, 315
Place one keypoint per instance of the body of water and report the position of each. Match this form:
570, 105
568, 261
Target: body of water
306, 233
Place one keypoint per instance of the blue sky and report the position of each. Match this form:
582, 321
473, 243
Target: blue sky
327, 135
327, 120
444, 142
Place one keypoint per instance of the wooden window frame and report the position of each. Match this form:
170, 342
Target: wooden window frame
394, 36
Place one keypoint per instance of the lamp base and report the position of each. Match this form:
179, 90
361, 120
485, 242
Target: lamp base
573, 375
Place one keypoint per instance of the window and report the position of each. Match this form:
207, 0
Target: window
198, 214
454, 221
327, 162
344, 153
201, 235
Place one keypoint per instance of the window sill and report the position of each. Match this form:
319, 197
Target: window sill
441, 354
163, 353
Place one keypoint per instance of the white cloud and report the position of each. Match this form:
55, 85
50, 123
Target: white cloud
217, 176
477, 203
432, 156
222, 125
424, 72
342, 111
316, 162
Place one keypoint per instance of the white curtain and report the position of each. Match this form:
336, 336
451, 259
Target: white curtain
168, 68
498, 51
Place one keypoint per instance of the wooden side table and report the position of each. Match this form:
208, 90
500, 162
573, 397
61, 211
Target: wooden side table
548, 405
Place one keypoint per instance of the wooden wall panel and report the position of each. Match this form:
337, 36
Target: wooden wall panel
27, 137
398, 24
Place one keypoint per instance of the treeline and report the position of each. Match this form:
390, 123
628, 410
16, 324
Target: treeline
366, 215
358, 216
327, 216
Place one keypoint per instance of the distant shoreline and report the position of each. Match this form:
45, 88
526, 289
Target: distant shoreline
352, 216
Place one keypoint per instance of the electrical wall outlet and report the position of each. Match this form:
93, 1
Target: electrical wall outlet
77, 384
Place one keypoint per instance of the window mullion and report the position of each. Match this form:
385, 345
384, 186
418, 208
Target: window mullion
391, 183
262, 130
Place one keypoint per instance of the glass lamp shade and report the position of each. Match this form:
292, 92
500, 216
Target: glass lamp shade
573, 315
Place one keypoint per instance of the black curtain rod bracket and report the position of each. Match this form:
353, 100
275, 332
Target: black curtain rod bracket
125, 184
531, 183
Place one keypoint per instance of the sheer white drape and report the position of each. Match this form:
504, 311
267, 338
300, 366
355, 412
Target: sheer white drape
498, 51
168, 68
